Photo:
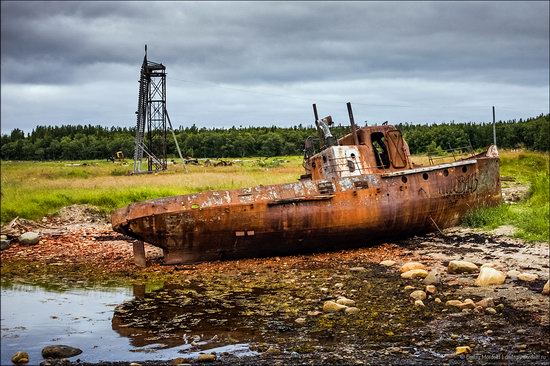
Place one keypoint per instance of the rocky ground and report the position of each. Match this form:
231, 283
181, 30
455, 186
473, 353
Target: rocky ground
346, 307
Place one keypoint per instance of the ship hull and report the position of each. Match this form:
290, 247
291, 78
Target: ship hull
312, 215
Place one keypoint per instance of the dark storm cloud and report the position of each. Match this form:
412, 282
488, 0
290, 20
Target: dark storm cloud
72, 47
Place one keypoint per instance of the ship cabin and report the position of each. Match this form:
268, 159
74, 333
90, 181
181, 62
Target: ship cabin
373, 150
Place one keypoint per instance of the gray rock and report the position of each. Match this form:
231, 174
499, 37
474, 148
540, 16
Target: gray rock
29, 238
60, 351
4, 243
432, 278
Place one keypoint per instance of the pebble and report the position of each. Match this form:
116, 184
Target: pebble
431, 289
313, 313
418, 295
463, 350
499, 307
20, 358
332, 307
409, 287
432, 278
411, 266
415, 273
4, 243
486, 303
60, 351
339, 285
489, 276
29, 238
454, 336
527, 277
462, 267
489, 332
418, 303
387, 263
357, 269
455, 303
344, 301
300, 321
490, 311
513, 274
210, 357
521, 331
351, 310
437, 300
546, 289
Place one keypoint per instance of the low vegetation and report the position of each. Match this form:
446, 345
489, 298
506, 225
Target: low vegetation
531, 215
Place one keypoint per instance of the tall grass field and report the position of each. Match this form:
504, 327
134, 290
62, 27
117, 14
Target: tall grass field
35, 189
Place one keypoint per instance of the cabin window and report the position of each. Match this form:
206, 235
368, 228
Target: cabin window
380, 150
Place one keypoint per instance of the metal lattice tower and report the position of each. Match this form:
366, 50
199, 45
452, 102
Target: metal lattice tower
150, 141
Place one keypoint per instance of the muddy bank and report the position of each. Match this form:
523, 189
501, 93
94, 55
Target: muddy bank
273, 307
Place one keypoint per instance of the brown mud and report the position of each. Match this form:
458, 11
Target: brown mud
257, 301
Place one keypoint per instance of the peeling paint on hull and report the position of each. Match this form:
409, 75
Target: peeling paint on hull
311, 215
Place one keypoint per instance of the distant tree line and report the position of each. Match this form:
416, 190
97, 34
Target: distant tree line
79, 142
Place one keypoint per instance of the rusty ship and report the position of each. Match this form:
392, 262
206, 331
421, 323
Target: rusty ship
356, 190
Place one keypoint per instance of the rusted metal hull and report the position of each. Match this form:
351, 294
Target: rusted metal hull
312, 215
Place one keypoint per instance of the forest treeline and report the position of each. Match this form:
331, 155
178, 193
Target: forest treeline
78, 142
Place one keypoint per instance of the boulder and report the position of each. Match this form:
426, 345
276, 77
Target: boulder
332, 307
412, 265
415, 273
546, 289
20, 358
489, 276
387, 263
462, 267
29, 238
527, 277
345, 301
60, 351
432, 278
418, 295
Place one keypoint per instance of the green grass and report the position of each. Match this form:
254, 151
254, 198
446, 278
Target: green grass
531, 216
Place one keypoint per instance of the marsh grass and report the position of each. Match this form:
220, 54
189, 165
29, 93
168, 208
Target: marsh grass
35, 189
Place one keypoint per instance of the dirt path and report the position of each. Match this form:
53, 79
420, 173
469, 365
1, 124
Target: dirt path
276, 304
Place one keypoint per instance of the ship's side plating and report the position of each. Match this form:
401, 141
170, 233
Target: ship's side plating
350, 195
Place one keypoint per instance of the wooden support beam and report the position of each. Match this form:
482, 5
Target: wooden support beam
139, 253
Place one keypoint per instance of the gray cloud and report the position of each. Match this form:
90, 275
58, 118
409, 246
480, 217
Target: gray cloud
273, 48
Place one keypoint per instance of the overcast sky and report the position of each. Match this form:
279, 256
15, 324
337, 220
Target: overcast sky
262, 63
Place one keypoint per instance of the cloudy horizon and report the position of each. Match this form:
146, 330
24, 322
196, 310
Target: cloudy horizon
265, 63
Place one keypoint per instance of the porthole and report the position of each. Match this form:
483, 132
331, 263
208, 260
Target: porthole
464, 169
446, 172
352, 155
404, 179
425, 176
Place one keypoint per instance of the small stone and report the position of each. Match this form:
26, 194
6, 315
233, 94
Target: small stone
409, 287
486, 303
387, 263
332, 307
60, 351
513, 274
4, 243
437, 300
490, 311
454, 336
357, 269
546, 289
323, 289
3, 237
415, 273
462, 267
490, 276
468, 304
527, 277
463, 350
412, 265
344, 301
313, 313
300, 321
455, 303
489, 332
499, 307
419, 303
339, 285
351, 310
29, 238
20, 358
272, 351
418, 295
521, 331
491, 265
430, 289
209, 357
